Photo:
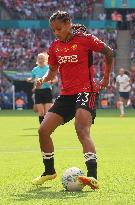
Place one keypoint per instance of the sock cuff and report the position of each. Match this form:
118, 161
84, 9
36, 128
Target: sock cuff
47, 155
90, 156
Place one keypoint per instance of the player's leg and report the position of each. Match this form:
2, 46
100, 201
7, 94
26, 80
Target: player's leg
127, 101
61, 112
39, 104
50, 123
122, 111
47, 106
40, 111
35, 108
83, 121
84, 118
47, 99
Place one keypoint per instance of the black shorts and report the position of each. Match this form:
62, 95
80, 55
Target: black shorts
43, 96
67, 105
124, 95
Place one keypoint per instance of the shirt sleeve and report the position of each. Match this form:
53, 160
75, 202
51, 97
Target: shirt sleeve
33, 74
117, 79
52, 60
128, 78
94, 43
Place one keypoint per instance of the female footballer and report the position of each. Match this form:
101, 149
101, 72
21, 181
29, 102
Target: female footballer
43, 95
123, 85
72, 53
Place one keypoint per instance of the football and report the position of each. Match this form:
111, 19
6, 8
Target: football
70, 179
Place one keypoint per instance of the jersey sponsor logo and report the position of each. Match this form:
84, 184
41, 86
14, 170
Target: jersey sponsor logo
68, 59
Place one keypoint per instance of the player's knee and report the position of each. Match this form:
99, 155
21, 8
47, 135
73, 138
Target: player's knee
41, 113
42, 132
82, 132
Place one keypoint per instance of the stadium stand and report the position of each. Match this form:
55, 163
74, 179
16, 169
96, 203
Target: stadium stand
20, 46
6, 94
133, 45
37, 9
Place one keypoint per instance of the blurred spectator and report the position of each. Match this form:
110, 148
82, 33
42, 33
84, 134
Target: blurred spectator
110, 38
6, 94
19, 104
132, 77
130, 17
133, 45
132, 74
102, 16
117, 16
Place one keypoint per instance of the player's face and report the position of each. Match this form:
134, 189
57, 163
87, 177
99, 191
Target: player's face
61, 29
42, 60
121, 71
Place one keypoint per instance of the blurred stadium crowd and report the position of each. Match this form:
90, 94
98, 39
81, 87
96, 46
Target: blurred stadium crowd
19, 47
37, 9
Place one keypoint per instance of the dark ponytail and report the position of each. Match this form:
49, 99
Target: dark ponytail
79, 28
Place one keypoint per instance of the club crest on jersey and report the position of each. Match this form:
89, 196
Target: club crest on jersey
67, 59
74, 47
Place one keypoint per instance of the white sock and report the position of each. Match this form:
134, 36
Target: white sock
121, 108
90, 156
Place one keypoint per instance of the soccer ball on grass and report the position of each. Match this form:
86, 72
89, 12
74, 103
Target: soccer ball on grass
70, 180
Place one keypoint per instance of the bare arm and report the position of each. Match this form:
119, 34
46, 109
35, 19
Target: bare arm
51, 76
31, 80
108, 52
117, 85
55, 80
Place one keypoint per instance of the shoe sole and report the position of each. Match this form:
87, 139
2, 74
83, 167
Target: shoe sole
88, 181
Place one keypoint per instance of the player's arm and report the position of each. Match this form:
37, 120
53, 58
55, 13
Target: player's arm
54, 80
128, 83
108, 52
117, 85
50, 76
31, 80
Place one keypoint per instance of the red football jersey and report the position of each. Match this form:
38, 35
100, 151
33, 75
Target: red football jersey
72, 58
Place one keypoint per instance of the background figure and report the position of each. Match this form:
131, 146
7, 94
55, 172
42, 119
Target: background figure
43, 95
132, 78
33, 99
72, 55
124, 87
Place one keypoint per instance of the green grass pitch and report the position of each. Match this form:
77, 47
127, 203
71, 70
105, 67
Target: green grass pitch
20, 160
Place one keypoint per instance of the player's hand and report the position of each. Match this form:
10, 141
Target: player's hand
49, 82
103, 83
29, 79
39, 82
